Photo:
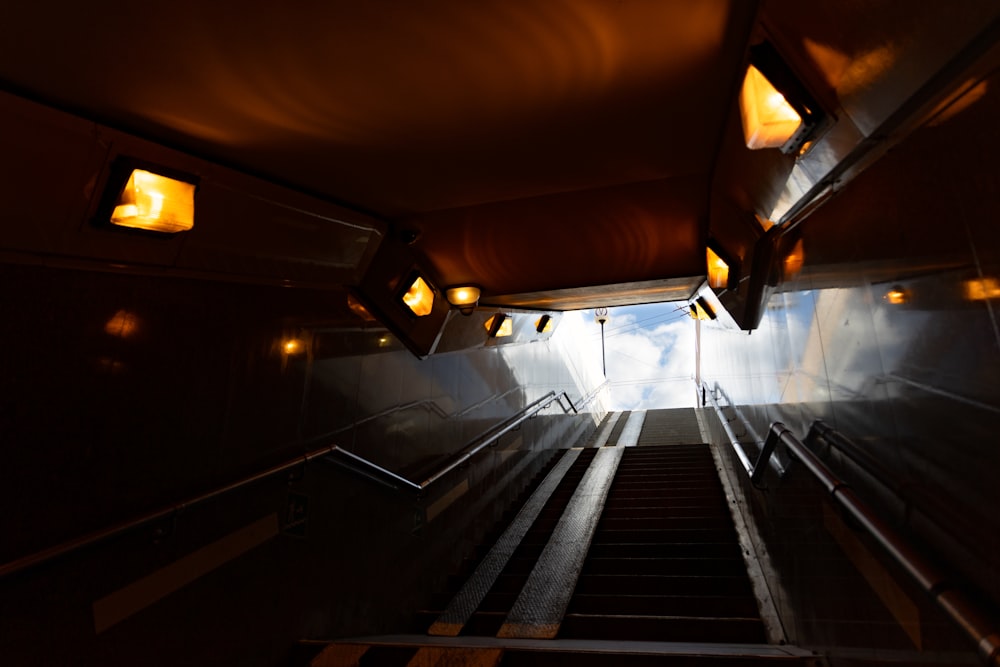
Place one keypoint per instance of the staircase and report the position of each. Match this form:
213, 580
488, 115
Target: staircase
622, 555
665, 563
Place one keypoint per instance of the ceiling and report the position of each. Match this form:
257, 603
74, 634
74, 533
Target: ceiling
531, 145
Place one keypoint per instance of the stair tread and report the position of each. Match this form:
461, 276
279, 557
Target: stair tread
666, 618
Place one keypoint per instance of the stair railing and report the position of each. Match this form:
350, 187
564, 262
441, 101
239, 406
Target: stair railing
353, 462
45, 555
754, 470
966, 614
491, 435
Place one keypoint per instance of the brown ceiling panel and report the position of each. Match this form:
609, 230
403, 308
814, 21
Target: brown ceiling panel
402, 107
580, 298
629, 233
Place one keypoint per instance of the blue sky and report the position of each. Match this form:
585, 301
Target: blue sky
650, 353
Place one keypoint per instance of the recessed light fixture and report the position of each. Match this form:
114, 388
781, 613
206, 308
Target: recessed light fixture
718, 270
149, 199
706, 311
419, 296
795, 260
776, 109
897, 296
982, 289
500, 325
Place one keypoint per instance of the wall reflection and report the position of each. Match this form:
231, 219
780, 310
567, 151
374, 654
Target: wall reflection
162, 388
885, 328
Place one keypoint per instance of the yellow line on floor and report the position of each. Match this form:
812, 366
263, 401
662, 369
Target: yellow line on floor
896, 600
116, 607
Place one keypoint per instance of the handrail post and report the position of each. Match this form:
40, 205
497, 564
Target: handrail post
762, 459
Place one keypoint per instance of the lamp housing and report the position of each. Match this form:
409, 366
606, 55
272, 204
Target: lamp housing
499, 325
147, 198
417, 295
776, 109
704, 310
717, 269
463, 297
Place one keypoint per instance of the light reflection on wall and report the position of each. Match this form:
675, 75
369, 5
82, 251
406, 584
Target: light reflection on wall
123, 324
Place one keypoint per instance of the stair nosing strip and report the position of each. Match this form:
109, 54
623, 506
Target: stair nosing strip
469, 597
542, 602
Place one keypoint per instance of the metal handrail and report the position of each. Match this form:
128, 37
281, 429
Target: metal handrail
50, 553
754, 470
957, 606
491, 435
430, 404
358, 464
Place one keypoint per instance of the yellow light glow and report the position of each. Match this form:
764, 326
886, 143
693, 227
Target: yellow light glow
293, 346
699, 313
896, 296
123, 324
419, 298
359, 309
463, 296
764, 223
718, 270
156, 203
982, 289
543, 324
506, 325
768, 119
795, 260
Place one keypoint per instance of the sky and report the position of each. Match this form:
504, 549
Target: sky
650, 353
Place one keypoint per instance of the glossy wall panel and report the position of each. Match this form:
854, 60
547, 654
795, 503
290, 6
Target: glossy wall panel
121, 393
889, 334
125, 392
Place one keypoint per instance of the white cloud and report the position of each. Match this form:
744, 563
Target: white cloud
650, 354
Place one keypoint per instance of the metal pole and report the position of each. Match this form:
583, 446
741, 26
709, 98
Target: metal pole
604, 363
601, 315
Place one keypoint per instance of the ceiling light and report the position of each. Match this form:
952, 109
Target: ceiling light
419, 297
897, 296
776, 109
705, 311
292, 346
500, 325
794, 260
153, 202
543, 324
982, 289
768, 119
464, 298
718, 270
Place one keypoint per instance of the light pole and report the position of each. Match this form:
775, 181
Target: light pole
601, 315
